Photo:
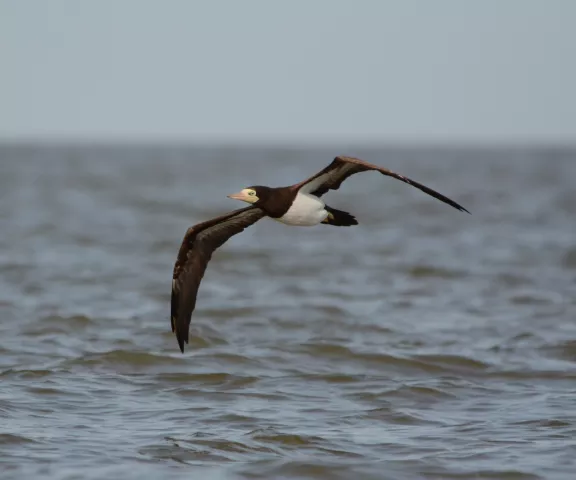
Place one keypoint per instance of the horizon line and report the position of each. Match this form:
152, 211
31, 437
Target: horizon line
316, 141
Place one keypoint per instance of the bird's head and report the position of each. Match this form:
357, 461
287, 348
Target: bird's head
251, 195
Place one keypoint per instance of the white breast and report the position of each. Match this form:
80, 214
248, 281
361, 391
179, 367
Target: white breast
306, 211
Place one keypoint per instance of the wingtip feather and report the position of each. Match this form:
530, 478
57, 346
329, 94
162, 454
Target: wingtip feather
182, 337
460, 207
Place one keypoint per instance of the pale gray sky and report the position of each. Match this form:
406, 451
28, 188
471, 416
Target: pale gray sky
444, 70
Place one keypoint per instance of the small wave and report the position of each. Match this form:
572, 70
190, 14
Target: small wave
420, 392
179, 454
231, 446
563, 351
397, 417
207, 448
530, 299
487, 475
58, 324
229, 313
10, 439
271, 436
429, 271
454, 362
229, 418
334, 378
221, 378
513, 279
26, 374
427, 363
318, 469
54, 392
545, 423
533, 374
126, 357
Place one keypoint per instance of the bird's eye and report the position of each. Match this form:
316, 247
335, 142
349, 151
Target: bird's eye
251, 193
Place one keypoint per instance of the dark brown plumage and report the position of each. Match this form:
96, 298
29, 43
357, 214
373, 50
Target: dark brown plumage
343, 167
274, 201
201, 240
199, 243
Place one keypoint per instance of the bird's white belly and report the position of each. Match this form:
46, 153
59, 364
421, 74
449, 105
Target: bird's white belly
306, 211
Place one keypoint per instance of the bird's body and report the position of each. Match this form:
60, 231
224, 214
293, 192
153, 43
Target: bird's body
295, 205
305, 211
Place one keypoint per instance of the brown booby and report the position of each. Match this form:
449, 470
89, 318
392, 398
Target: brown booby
298, 205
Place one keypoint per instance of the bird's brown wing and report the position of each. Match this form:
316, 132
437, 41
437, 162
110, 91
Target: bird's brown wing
331, 177
199, 243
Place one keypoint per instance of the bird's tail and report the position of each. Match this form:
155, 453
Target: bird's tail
338, 218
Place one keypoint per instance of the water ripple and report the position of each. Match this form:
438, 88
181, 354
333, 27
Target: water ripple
419, 345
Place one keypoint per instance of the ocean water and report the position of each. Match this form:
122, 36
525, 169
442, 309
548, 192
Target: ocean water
424, 343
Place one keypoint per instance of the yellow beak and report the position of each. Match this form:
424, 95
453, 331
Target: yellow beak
238, 196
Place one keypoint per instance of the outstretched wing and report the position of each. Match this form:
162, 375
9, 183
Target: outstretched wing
195, 252
343, 167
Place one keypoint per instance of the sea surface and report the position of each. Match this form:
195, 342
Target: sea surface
424, 343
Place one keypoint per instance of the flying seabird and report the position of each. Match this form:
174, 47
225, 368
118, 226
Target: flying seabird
298, 205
